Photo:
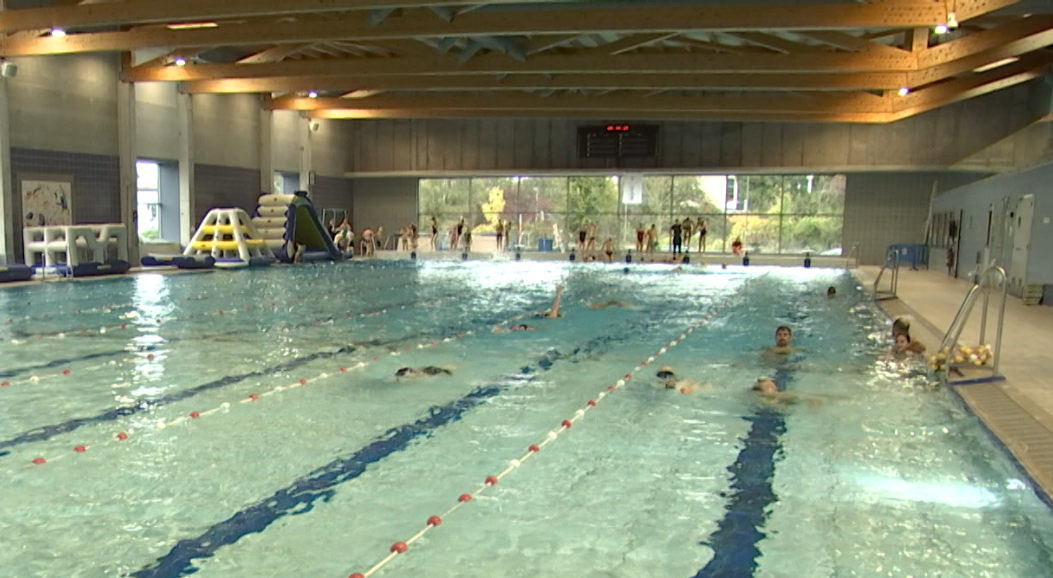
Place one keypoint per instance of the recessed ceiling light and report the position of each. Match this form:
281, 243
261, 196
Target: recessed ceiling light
904, 91
312, 94
58, 32
180, 62
940, 29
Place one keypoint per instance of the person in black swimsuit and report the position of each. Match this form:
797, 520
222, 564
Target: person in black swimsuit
431, 370
434, 232
582, 234
701, 237
678, 237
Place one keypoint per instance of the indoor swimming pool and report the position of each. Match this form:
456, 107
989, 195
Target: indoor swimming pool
246, 424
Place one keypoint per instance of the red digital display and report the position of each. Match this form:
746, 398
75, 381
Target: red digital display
617, 128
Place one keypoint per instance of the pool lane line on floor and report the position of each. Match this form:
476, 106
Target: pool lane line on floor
299, 498
434, 521
47, 432
68, 370
735, 542
27, 337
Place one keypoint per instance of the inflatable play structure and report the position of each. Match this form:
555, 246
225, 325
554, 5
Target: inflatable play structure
77, 251
285, 221
229, 237
12, 273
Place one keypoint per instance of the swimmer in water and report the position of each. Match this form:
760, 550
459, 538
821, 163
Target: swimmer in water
429, 371
516, 327
783, 337
554, 312
831, 292
668, 379
611, 303
769, 393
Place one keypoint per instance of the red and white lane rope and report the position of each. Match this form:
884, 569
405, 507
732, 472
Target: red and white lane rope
224, 407
401, 547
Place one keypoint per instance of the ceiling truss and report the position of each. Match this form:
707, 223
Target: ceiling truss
874, 61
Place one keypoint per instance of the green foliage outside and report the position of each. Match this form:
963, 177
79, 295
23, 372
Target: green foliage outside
770, 213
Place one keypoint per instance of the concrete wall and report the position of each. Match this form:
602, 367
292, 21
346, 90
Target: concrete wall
976, 199
934, 140
886, 208
388, 202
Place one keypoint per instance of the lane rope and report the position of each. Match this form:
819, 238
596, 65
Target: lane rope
402, 547
224, 407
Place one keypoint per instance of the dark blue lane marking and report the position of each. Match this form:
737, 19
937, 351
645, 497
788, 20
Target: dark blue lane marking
735, 543
60, 362
50, 431
300, 497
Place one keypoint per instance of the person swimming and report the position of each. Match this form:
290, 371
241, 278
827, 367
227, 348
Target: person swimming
554, 312
516, 327
669, 380
831, 292
610, 303
431, 370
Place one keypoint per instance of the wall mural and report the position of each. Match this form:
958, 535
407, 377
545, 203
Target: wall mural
46, 203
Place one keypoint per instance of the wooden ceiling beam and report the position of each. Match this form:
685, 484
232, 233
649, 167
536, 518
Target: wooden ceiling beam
171, 57
849, 42
275, 54
69, 15
546, 64
835, 82
630, 43
1025, 69
773, 42
363, 113
860, 102
628, 19
916, 40
972, 55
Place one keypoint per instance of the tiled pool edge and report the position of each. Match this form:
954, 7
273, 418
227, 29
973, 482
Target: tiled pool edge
1021, 429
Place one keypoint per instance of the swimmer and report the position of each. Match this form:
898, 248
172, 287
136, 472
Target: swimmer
901, 326
608, 249
769, 393
783, 337
429, 371
611, 303
516, 327
554, 312
668, 379
831, 292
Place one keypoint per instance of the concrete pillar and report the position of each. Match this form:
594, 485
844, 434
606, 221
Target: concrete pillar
266, 151
306, 155
187, 215
126, 150
8, 223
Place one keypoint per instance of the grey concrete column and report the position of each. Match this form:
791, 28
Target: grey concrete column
266, 151
187, 215
306, 154
8, 218
8, 222
126, 151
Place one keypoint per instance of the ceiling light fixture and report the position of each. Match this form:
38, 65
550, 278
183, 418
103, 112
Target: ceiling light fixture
180, 62
312, 94
192, 25
940, 29
904, 91
57, 32
952, 21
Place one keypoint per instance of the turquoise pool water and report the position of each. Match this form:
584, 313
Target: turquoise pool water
883, 476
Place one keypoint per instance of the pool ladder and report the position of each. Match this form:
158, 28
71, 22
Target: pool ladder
992, 278
891, 264
852, 259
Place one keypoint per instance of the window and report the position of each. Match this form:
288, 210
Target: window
149, 199
770, 213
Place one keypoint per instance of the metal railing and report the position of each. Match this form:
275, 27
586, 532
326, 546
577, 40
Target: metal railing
991, 278
891, 264
853, 253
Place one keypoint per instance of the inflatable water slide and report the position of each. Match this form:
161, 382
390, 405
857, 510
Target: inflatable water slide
285, 221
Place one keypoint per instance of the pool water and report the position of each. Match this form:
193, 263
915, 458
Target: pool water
877, 472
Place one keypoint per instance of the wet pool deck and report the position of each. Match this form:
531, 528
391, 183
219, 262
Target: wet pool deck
1018, 410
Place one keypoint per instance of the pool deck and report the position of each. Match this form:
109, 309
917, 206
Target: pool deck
1018, 410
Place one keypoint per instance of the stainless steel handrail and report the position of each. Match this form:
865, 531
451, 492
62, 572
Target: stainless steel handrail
853, 252
991, 278
891, 264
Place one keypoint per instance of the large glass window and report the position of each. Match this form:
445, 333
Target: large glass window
148, 198
768, 213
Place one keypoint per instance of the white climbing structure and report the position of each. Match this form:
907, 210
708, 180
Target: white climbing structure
229, 236
76, 245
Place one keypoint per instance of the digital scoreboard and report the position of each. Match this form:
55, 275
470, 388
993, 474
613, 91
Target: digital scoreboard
618, 140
